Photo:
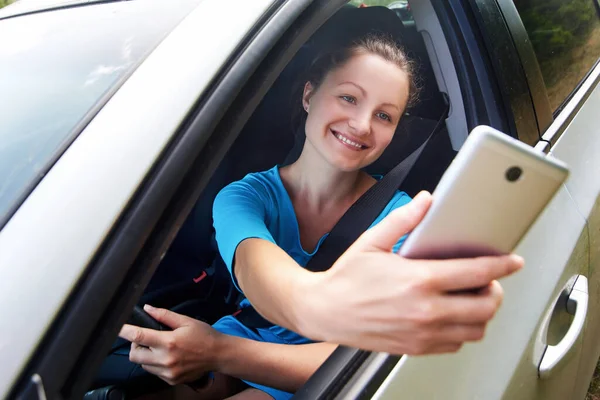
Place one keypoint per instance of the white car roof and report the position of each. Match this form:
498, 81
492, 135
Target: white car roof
28, 6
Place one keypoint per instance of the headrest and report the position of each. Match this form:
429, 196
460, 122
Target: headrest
351, 23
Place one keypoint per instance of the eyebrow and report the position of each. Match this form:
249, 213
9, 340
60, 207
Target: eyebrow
365, 93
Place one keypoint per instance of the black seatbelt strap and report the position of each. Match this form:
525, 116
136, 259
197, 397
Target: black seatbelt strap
354, 222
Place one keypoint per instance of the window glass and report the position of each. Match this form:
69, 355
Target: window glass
400, 7
4, 3
566, 38
56, 66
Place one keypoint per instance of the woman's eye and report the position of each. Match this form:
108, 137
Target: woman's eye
349, 99
384, 117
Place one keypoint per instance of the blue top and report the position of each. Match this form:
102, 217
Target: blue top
258, 206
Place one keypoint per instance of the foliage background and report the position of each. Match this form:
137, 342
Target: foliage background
566, 38
5, 2
555, 27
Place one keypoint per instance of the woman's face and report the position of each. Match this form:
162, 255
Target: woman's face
353, 114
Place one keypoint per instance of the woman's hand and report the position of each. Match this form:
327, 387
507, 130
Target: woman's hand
374, 299
178, 356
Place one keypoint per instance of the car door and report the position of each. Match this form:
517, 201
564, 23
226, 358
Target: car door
563, 77
543, 343
59, 273
574, 135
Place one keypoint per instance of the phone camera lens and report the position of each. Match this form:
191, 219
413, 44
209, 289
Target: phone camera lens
513, 174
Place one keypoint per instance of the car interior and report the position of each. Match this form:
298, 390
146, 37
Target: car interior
191, 279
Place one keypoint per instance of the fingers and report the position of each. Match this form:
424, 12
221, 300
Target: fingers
141, 336
142, 355
469, 273
398, 223
173, 376
167, 317
163, 374
460, 333
447, 338
445, 348
472, 309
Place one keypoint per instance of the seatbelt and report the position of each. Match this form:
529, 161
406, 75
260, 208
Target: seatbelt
355, 221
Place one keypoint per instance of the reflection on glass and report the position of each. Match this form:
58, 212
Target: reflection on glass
56, 66
400, 7
566, 38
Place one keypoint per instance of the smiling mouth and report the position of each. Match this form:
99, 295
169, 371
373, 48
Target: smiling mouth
348, 141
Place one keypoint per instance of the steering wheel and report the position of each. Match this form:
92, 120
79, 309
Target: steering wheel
141, 318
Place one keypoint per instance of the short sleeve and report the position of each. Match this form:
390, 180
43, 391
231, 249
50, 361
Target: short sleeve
240, 211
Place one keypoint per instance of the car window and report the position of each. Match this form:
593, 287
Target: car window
400, 7
56, 67
566, 38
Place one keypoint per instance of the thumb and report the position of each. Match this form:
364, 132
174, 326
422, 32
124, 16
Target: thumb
398, 223
166, 317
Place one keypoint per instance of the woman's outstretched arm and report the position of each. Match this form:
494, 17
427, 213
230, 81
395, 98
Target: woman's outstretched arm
372, 298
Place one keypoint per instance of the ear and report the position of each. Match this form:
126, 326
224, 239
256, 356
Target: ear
306, 95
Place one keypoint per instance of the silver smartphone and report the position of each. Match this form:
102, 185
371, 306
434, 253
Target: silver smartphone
487, 199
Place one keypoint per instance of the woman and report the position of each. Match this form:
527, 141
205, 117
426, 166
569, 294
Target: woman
270, 223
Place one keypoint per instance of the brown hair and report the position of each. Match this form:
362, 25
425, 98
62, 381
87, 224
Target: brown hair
379, 45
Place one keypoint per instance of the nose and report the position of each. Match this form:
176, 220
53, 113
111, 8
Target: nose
360, 123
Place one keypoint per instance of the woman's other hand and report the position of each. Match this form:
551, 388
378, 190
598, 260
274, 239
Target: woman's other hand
377, 300
178, 356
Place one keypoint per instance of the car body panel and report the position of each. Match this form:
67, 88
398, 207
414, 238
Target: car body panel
139, 119
579, 146
552, 327
485, 370
591, 343
29, 6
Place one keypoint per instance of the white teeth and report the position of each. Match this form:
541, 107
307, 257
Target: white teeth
348, 141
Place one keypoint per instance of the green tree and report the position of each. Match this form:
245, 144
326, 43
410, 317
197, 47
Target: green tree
555, 28
4, 3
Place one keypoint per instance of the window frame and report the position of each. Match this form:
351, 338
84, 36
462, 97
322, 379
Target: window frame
570, 108
508, 69
529, 63
482, 95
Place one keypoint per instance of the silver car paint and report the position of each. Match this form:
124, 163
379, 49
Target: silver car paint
579, 145
41, 249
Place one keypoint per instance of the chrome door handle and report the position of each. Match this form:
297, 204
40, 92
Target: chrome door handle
577, 305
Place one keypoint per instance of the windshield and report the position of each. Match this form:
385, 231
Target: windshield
58, 67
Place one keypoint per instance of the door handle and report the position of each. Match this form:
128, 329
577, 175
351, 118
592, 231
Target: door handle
577, 305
